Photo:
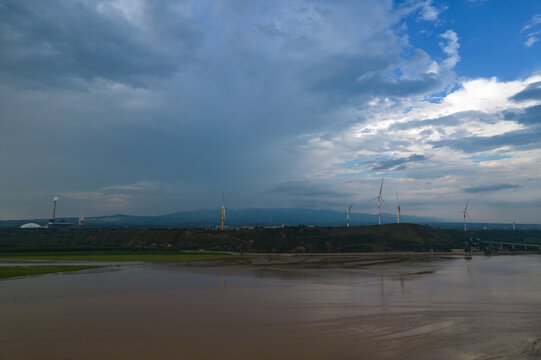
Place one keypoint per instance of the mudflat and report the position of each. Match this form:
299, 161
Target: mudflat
267, 308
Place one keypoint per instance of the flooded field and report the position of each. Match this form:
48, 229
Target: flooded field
291, 308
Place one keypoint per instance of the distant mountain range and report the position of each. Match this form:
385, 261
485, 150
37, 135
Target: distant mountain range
210, 218
253, 217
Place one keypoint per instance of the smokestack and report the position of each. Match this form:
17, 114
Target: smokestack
54, 206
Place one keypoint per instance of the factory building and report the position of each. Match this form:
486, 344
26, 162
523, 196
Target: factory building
59, 225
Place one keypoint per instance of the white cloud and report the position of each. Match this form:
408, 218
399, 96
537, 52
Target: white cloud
138, 186
408, 131
450, 48
486, 95
529, 30
429, 12
536, 19
532, 38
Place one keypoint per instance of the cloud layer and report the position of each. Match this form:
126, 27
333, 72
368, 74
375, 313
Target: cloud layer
148, 107
532, 31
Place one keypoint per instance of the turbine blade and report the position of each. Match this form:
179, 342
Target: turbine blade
466, 208
381, 186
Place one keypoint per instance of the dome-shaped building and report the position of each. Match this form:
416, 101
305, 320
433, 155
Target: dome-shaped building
30, 226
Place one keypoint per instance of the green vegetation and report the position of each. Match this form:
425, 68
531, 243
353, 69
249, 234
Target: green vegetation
17, 271
391, 237
518, 237
172, 244
110, 256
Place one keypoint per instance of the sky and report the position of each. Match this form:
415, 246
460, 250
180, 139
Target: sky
152, 107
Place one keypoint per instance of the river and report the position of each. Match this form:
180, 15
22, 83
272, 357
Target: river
306, 308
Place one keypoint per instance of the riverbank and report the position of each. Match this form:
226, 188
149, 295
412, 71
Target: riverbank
358, 239
384, 239
114, 256
203, 257
23, 271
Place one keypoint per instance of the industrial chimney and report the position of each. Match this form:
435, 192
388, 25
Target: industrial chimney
54, 207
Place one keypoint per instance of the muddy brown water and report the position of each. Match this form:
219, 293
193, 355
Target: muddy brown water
416, 308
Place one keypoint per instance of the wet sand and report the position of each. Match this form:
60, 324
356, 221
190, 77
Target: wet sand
379, 308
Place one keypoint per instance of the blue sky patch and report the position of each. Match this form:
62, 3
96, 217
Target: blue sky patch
491, 157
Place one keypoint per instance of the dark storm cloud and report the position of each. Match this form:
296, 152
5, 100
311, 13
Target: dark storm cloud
450, 120
364, 75
303, 188
42, 41
381, 85
532, 92
521, 139
340, 74
397, 164
206, 95
442, 122
530, 116
490, 188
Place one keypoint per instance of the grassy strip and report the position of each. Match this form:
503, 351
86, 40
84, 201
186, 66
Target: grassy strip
116, 256
17, 271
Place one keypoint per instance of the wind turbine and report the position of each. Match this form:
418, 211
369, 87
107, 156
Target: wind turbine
397, 207
380, 199
223, 210
465, 213
348, 210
